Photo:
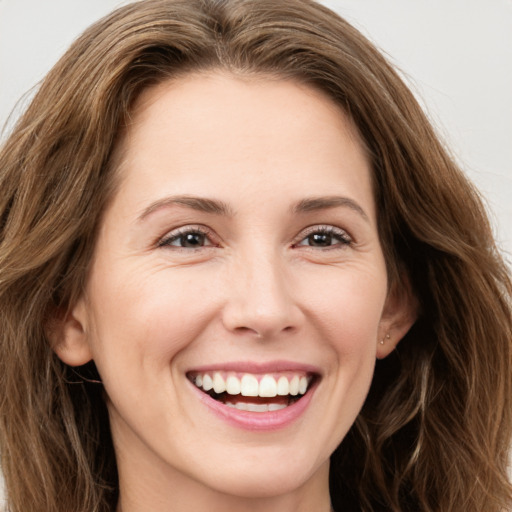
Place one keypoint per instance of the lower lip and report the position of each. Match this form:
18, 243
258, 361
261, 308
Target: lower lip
261, 421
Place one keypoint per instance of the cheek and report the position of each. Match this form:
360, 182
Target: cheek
348, 309
149, 320
346, 315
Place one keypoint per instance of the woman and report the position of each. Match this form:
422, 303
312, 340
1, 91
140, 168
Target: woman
216, 216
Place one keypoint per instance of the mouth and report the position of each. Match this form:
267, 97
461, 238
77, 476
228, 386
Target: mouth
252, 392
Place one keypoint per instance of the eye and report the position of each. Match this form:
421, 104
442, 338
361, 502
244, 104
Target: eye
189, 237
324, 237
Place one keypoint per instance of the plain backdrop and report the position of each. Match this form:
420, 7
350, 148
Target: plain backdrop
455, 54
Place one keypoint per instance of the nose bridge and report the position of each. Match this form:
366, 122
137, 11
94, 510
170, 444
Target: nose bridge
260, 299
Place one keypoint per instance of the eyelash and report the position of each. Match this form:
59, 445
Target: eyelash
329, 231
333, 232
175, 235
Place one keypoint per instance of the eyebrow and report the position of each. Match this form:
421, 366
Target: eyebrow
216, 207
322, 203
201, 204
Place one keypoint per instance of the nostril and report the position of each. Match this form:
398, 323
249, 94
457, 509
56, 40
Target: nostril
262, 333
244, 329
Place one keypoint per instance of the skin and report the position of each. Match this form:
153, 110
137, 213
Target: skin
258, 287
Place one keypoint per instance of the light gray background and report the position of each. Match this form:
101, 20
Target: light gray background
455, 54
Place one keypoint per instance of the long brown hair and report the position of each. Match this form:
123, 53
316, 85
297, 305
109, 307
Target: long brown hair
435, 430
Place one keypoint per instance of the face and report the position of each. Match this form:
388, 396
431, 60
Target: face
238, 290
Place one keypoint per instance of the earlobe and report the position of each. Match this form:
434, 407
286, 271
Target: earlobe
399, 314
67, 334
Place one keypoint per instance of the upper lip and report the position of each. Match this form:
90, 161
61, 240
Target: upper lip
257, 367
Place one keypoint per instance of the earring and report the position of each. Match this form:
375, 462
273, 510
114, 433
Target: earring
382, 341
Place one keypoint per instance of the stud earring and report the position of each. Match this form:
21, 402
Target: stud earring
383, 340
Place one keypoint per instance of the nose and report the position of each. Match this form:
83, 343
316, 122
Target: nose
260, 298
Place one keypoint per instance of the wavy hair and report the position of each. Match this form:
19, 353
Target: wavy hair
434, 432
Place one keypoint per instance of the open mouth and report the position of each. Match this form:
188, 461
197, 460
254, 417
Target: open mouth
254, 392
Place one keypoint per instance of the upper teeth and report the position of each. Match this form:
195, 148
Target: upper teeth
252, 385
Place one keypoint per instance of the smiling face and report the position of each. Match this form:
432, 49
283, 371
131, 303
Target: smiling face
240, 251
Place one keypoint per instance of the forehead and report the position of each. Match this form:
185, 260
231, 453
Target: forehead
237, 129
200, 97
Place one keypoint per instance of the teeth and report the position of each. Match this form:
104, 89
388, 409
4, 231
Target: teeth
303, 385
233, 385
294, 386
283, 386
257, 407
242, 406
268, 386
219, 385
248, 385
276, 407
207, 382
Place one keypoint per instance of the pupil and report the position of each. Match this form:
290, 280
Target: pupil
193, 240
320, 239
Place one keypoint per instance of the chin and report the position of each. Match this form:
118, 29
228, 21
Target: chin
264, 482
265, 475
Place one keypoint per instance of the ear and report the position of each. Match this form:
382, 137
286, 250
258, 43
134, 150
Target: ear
67, 334
399, 314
